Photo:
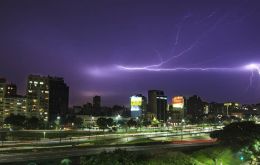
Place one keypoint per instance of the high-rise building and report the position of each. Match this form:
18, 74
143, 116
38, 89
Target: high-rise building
195, 108
47, 97
97, 102
9, 101
161, 108
11, 90
138, 105
14, 105
2, 95
177, 109
7, 89
2, 88
157, 104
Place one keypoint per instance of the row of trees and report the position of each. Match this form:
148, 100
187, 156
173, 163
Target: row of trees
20, 121
108, 123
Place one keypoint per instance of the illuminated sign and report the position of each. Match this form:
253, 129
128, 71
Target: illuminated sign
178, 102
136, 103
227, 104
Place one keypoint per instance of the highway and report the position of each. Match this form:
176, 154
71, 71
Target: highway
53, 154
83, 139
111, 139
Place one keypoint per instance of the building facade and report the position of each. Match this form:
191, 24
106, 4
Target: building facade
47, 97
157, 104
14, 105
138, 104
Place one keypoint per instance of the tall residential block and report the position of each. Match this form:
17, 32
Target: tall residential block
47, 97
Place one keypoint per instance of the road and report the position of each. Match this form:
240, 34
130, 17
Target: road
68, 141
30, 156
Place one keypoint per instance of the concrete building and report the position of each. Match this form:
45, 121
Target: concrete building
138, 104
157, 104
47, 97
97, 102
9, 101
14, 105
2, 95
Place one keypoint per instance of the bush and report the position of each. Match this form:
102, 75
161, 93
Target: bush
118, 157
173, 158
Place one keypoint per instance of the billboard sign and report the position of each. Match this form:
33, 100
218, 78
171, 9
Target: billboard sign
136, 103
178, 102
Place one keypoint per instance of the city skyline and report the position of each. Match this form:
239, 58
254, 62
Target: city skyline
105, 48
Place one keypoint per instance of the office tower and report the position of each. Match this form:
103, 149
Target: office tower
157, 104
177, 109
162, 108
97, 102
47, 97
138, 105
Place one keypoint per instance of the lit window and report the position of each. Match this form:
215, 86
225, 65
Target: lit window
30, 91
46, 91
41, 83
30, 82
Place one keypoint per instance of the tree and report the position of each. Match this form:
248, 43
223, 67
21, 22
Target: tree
244, 136
32, 123
78, 122
155, 122
252, 152
238, 134
131, 123
146, 122
117, 157
17, 121
65, 162
110, 122
102, 123
195, 108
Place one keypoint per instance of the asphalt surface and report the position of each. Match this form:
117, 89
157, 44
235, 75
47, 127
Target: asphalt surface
30, 156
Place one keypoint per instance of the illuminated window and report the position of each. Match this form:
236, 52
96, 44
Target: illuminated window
46, 91
30, 91
41, 83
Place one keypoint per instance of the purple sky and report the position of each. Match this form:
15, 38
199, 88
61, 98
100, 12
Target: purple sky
86, 41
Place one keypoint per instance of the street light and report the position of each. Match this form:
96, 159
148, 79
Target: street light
118, 117
182, 123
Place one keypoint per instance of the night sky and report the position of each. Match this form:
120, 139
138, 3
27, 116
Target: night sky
107, 47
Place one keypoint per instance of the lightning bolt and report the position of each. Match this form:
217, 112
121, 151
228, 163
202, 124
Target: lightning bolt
120, 67
253, 68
